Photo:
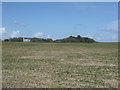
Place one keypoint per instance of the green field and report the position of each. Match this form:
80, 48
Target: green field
59, 65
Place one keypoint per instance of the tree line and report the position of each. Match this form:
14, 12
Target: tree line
68, 39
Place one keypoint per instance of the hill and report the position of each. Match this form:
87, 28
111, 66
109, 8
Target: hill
76, 39
68, 39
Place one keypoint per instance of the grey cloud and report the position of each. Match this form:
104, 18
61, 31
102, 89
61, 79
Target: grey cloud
19, 24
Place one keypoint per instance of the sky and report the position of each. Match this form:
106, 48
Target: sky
56, 20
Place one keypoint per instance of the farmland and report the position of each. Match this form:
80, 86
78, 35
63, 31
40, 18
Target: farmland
59, 65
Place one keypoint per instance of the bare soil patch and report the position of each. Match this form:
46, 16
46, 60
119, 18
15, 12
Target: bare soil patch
36, 57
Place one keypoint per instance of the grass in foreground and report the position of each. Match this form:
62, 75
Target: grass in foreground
60, 65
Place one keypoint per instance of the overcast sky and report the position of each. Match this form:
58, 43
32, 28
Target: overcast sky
59, 20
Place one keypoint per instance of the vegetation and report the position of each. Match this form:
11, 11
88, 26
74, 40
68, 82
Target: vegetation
76, 39
59, 65
69, 39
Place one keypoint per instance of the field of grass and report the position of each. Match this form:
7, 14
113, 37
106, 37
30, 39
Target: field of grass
59, 65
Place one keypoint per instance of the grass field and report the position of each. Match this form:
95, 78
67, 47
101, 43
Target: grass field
59, 65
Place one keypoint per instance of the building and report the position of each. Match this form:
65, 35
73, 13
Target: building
26, 40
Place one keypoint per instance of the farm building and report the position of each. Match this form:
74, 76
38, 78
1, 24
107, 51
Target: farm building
26, 40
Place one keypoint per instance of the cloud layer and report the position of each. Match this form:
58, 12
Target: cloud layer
38, 34
2, 31
108, 33
15, 33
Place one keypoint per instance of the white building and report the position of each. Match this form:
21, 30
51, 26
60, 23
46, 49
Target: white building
26, 40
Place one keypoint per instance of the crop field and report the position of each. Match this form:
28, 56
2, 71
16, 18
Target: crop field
59, 65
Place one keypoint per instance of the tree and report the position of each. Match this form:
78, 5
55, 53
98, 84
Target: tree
78, 36
70, 36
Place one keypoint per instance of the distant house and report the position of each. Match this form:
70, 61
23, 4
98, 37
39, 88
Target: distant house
26, 40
